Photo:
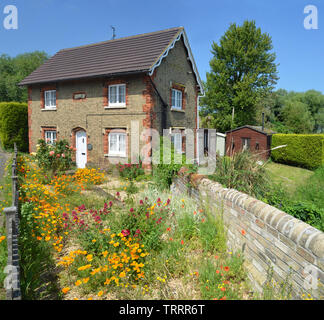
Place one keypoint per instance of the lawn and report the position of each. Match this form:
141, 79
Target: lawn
289, 177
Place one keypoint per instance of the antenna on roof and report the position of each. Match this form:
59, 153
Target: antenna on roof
114, 34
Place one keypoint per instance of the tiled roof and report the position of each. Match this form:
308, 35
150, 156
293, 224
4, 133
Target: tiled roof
124, 55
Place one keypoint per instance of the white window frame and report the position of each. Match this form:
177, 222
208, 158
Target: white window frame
176, 99
51, 138
117, 104
50, 105
117, 153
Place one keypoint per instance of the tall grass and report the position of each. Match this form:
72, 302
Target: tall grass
243, 173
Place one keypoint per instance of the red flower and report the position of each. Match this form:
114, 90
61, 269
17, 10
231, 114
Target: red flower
226, 269
125, 232
223, 289
131, 210
182, 242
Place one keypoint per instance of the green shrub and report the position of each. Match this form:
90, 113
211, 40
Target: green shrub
302, 210
130, 171
14, 125
56, 157
164, 173
304, 150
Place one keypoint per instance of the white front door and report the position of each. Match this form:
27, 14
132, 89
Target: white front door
81, 149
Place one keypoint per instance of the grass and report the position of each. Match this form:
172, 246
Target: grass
289, 177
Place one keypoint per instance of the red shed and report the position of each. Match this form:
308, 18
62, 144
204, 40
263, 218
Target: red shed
248, 137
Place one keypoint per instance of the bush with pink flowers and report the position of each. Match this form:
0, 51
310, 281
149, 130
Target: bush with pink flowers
55, 157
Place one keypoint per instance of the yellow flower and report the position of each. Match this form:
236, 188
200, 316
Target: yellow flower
85, 280
94, 240
78, 282
100, 293
89, 257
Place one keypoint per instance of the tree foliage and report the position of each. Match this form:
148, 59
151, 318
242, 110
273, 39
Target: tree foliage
295, 112
13, 70
243, 72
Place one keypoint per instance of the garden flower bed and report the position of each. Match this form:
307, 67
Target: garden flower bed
148, 245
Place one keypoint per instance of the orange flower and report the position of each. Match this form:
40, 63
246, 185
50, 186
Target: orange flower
224, 298
216, 257
243, 232
195, 212
202, 220
226, 269
170, 239
168, 229
100, 293
223, 289
217, 271
65, 290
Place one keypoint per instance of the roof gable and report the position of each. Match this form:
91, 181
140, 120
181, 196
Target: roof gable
135, 54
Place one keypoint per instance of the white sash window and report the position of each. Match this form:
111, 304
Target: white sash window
50, 137
117, 144
117, 95
50, 99
176, 100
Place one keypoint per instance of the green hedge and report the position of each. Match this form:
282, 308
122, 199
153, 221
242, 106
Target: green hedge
14, 125
303, 150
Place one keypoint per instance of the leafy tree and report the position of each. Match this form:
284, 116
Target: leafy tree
242, 72
297, 117
13, 70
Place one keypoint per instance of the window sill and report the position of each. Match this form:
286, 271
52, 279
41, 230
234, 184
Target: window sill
116, 107
115, 156
178, 110
49, 109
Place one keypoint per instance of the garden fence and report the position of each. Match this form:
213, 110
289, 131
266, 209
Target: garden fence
12, 281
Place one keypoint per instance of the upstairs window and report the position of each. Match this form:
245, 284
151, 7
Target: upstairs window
176, 99
50, 99
117, 95
117, 144
50, 136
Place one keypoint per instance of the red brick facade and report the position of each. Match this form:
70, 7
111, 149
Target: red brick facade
259, 142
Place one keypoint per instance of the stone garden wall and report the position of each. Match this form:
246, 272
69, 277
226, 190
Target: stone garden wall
267, 236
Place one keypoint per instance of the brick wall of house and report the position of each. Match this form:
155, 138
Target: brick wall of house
88, 114
236, 137
174, 73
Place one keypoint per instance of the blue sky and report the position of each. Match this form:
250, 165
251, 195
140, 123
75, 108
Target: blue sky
51, 25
